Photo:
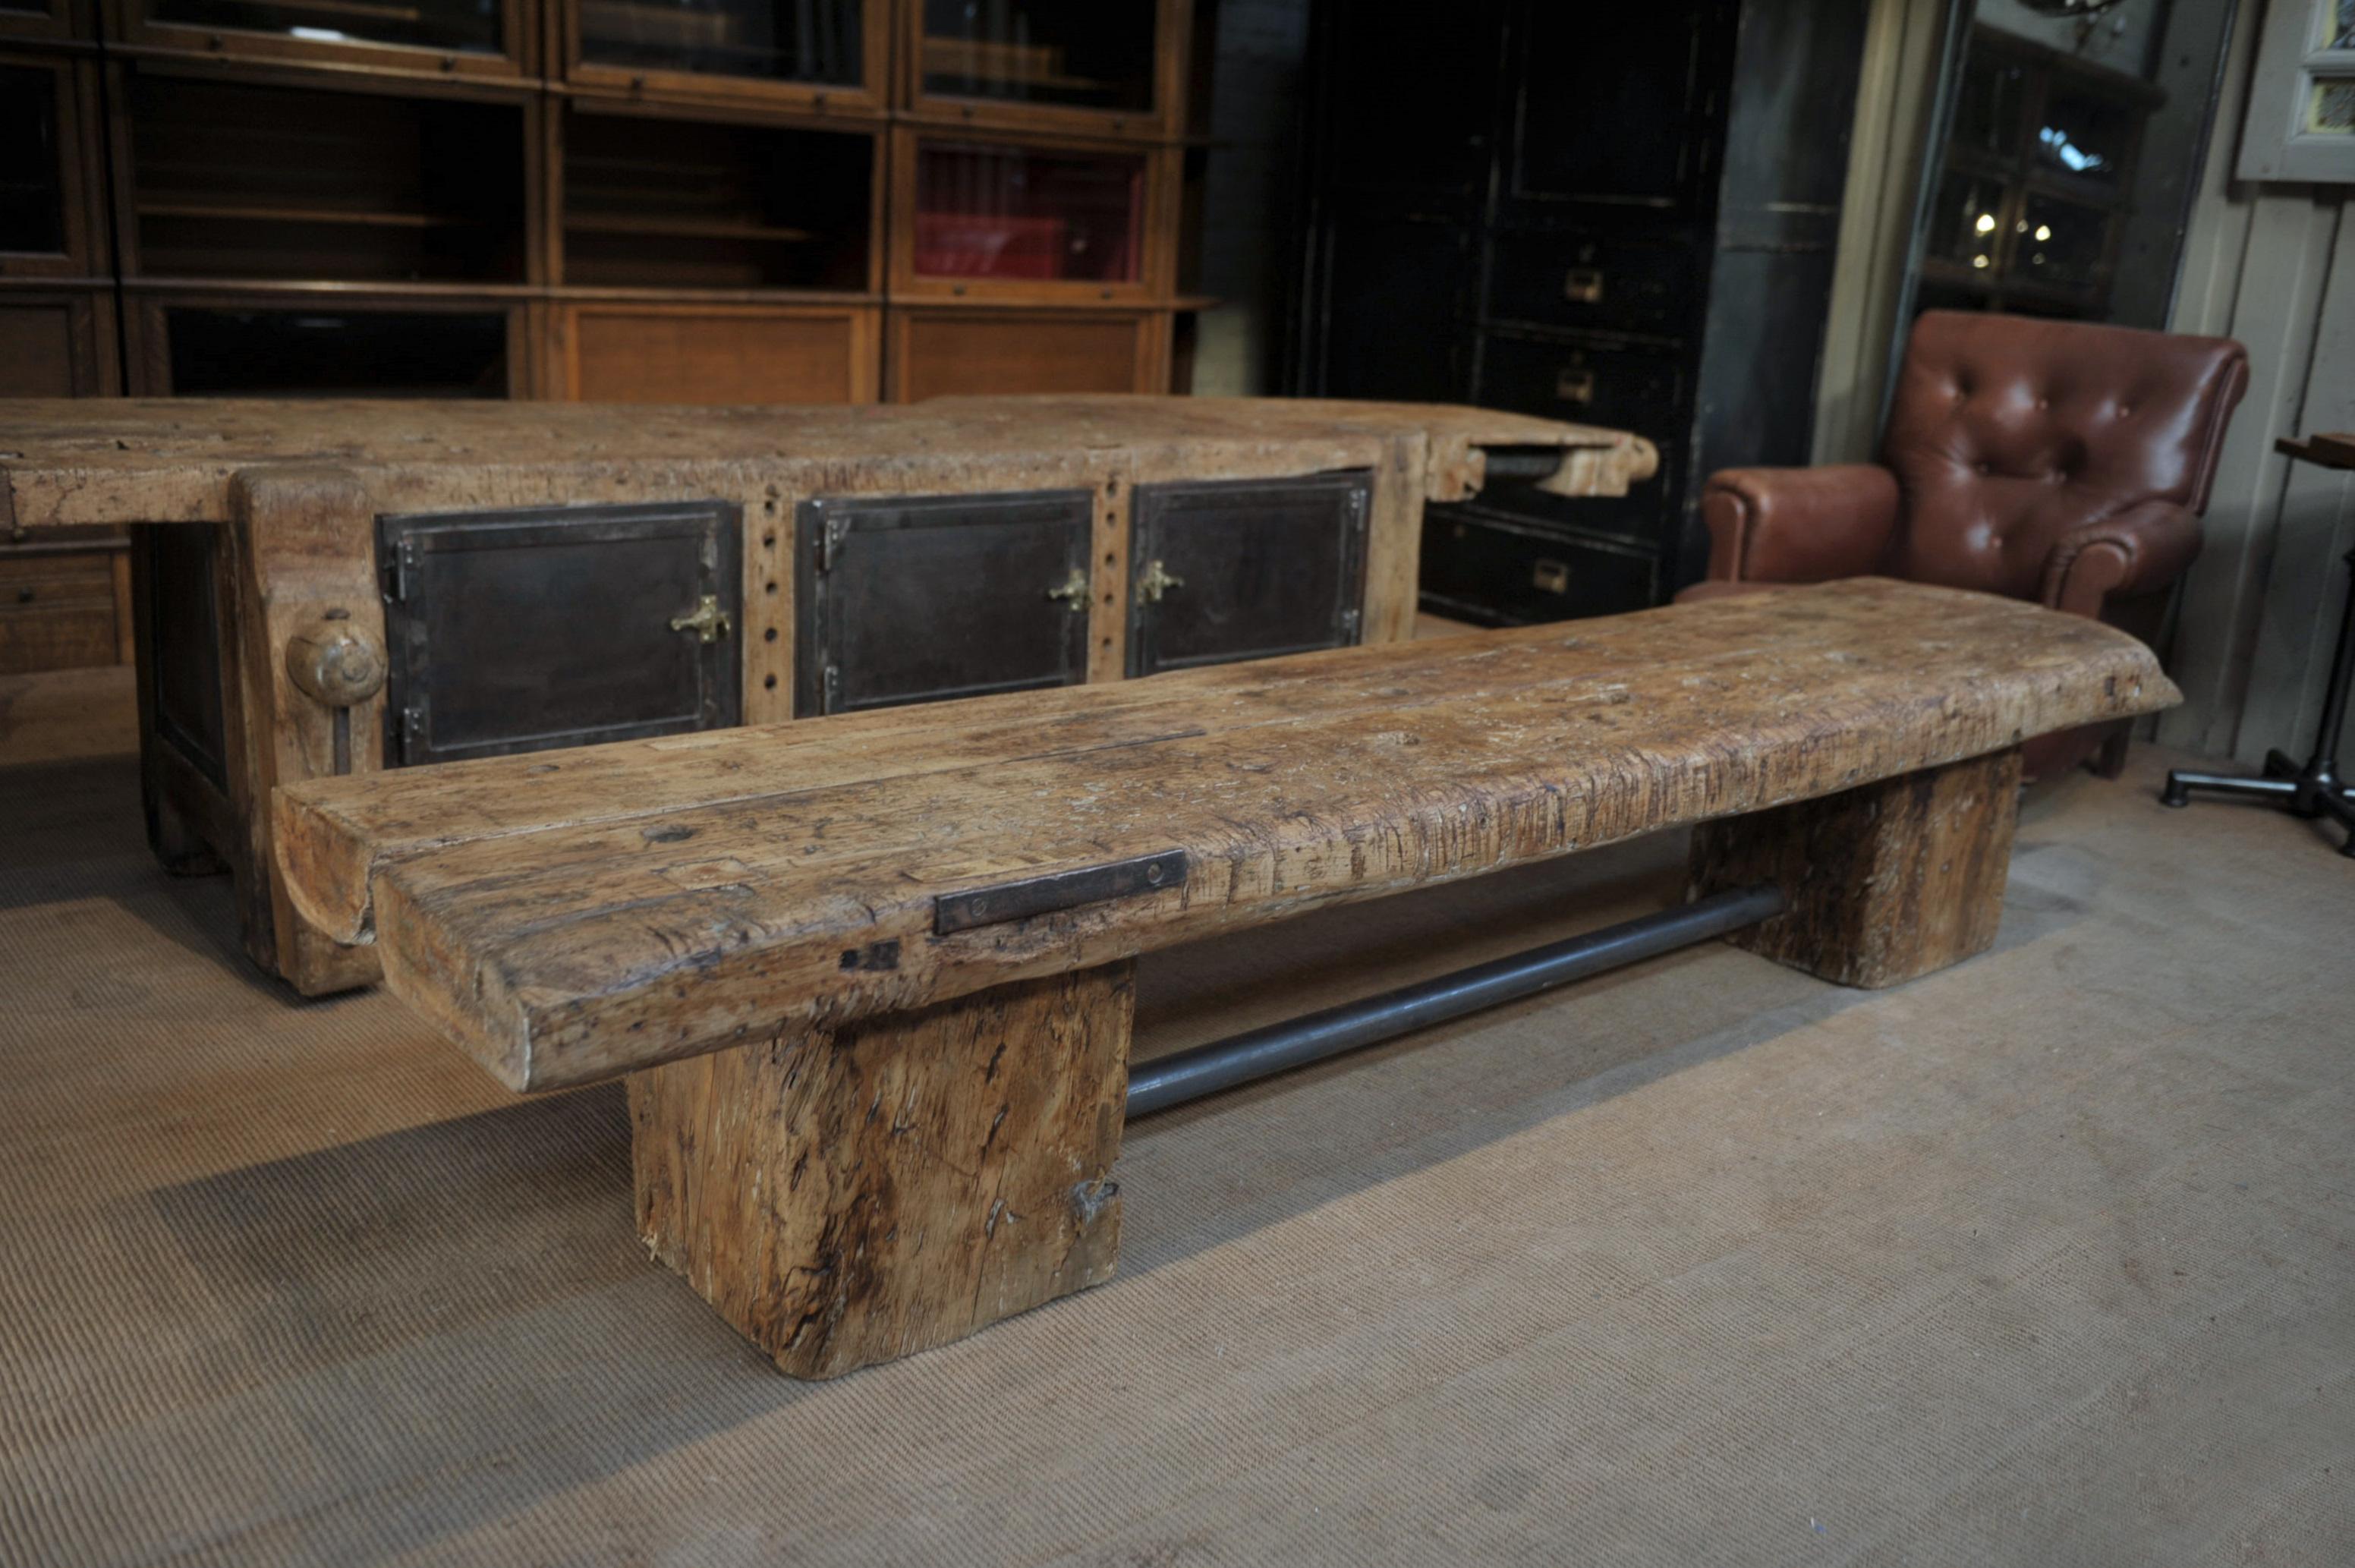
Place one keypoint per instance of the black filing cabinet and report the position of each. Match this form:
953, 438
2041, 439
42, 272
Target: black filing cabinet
914, 598
1246, 569
523, 630
1614, 215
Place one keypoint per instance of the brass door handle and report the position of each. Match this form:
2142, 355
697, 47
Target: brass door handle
1157, 581
1073, 591
710, 622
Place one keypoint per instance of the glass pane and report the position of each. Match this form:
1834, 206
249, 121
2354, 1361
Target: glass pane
1004, 212
470, 26
1085, 54
776, 40
2337, 24
2083, 136
232, 180
337, 354
32, 202
2331, 110
1987, 110
2060, 241
687, 204
1963, 223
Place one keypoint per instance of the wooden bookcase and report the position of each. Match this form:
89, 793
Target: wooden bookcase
652, 201
725, 201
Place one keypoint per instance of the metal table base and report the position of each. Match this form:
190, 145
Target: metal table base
2316, 789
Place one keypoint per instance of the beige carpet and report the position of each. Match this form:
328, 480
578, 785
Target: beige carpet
2044, 1259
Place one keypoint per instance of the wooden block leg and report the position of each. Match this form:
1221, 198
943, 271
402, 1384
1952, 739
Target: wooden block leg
847, 1199
1887, 881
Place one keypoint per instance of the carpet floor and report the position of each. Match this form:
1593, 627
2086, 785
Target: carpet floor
2047, 1259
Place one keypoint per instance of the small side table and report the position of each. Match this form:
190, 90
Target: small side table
2314, 790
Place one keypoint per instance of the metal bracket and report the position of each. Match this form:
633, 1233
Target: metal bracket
1059, 891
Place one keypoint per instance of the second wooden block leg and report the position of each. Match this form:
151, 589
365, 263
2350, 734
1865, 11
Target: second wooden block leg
848, 1198
1886, 882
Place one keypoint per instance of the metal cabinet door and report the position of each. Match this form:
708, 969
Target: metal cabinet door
1246, 569
519, 631
917, 599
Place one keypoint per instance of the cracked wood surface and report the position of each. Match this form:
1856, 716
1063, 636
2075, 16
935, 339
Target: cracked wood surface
65, 461
843, 1198
579, 915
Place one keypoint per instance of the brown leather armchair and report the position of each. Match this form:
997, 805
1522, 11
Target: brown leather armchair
2053, 460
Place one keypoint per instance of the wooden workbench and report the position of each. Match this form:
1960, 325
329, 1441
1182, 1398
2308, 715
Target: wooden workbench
266, 655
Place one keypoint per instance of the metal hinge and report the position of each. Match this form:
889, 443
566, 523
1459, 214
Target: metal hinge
1358, 510
412, 731
830, 695
402, 568
1349, 626
830, 535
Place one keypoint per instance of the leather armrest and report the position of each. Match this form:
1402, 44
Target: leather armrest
2141, 550
1799, 524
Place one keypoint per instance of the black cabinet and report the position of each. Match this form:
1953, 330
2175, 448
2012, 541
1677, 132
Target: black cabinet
519, 631
916, 599
1246, 570
1494, 568
1616, 215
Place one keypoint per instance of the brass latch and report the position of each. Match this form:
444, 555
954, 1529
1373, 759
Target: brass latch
710, 622
1157, 581
1073, 592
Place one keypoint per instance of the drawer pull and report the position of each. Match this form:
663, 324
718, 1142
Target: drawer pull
709, 622
1582, 286
1156, 582
1550, 576
1574, 386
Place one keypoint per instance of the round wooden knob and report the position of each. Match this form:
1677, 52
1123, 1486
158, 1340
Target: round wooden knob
335, 663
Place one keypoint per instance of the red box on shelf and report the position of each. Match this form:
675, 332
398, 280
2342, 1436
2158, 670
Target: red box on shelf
990, 245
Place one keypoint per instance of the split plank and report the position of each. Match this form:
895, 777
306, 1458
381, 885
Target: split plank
636, 905
69, 461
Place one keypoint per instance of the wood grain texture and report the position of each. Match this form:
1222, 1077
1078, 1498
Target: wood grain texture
288, 569
172, 460
195, 461
648, 900
848, 1196
1886, 883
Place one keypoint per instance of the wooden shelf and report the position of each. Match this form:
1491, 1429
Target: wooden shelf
684, 228
237, 213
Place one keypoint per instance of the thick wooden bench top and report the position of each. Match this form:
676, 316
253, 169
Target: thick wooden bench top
579, 915
76, 462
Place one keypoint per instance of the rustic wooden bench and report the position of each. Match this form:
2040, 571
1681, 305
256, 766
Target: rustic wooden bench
869, 976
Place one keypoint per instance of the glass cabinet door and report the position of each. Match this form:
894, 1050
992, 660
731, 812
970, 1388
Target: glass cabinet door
816, 43
1083, 55
32, 172
450, 27
1024, 213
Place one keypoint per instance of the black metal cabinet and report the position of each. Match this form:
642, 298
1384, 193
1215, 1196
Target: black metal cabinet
1647, 243
916, 599
520, 631
1495, 568
1246, 569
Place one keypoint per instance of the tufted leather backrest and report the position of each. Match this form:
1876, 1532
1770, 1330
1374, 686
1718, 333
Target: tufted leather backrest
2007, 431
